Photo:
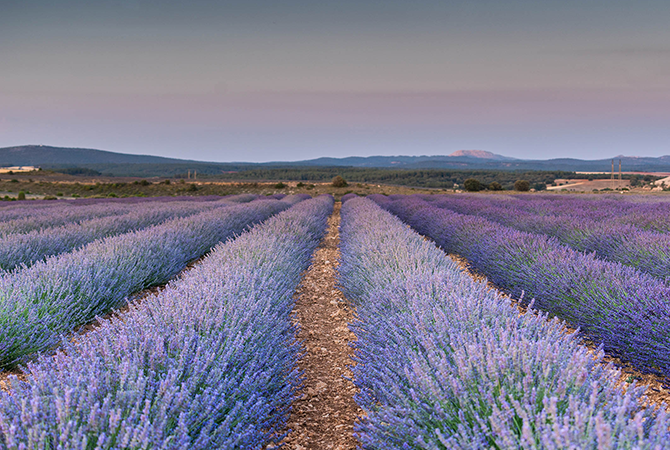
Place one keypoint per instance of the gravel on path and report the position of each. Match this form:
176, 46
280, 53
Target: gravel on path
324, 416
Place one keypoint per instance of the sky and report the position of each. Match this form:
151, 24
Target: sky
282, 80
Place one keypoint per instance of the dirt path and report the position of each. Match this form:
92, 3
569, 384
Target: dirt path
324, 417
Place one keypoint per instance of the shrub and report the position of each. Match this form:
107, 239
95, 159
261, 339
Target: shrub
22, 195
280, 185
521, 186
339, 182
495, 186
424, 332
472, 185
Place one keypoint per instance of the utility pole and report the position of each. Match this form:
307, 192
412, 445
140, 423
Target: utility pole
195, 173
612, 174
189, 172
620, 185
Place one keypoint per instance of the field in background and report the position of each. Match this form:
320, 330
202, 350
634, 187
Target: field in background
52, 185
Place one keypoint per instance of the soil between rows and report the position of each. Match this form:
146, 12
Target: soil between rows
324, 416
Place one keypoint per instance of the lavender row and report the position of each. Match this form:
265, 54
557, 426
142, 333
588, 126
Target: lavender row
443, 362
209, 362
30, 218
625, 309
26, 249
15, 206
40, 303
649, 216
577, 224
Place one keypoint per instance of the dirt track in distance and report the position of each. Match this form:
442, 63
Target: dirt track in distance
324, 417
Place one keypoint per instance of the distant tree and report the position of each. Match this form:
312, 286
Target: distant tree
539, 186
472, 185
78, 171
22, 195
495, 186
521, 186
339, 182
280, 185
634, 180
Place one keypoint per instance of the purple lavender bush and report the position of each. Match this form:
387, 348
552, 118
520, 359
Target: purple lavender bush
31, 217
626, 310
209, 362
610, 229
348, 196
41, 218
445, 363
52, 297
27, 248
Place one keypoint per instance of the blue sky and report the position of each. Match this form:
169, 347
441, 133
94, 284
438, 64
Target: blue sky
284, 80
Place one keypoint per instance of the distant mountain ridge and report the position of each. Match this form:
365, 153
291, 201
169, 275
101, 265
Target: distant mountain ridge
113, 163
43, 155
481, 154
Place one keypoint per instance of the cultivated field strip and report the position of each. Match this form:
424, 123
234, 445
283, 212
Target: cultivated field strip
31, 217
580, 224
642, 212
40, 303
26, 248
209, 362
651, 213
626, 310
446, 363
40, 218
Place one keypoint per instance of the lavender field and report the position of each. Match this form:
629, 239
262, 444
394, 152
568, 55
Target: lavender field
172, 324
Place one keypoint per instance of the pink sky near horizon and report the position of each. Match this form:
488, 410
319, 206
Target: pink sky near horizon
299, 79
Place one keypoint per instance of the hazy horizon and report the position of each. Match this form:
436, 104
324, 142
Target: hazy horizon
270, 81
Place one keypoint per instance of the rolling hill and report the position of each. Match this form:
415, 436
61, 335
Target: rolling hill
120, 164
